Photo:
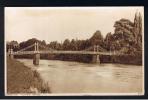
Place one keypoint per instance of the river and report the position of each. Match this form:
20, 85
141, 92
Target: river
76, 77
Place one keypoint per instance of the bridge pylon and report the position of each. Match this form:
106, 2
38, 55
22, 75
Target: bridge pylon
10, 52
36, 57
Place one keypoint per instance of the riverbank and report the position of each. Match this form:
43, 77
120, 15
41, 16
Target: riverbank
21, 79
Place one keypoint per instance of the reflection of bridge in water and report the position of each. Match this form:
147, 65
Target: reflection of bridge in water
95, 51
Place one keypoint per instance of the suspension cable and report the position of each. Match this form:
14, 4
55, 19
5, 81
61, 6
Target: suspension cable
26, 48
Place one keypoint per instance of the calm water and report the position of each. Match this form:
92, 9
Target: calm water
75, 77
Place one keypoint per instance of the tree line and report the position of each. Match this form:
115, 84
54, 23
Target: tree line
127, 38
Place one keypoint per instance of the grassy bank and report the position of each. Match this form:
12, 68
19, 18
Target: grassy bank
21, 79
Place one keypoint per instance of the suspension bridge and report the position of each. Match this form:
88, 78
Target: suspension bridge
95, 51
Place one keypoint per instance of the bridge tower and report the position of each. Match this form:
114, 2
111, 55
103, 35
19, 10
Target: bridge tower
36, 57
10, 51
96, 58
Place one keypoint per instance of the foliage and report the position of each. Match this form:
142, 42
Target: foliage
127, 38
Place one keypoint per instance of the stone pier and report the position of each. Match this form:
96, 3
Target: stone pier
36, 59
96, 59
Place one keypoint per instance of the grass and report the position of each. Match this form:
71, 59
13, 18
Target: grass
21, 79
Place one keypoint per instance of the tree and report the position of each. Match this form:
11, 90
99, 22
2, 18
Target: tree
73, 45
97, 38
55, 45
43, 43
108, 41
66, 44
12, 45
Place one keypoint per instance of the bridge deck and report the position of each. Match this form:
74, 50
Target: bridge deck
67, 52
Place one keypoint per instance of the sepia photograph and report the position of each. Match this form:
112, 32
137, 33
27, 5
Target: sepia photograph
74, 51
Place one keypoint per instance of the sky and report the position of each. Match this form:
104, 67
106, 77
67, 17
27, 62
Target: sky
60, 23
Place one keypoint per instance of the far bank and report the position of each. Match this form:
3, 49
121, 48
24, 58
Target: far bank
135, 59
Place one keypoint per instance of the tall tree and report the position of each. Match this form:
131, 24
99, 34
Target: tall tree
66, 44
97, 39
